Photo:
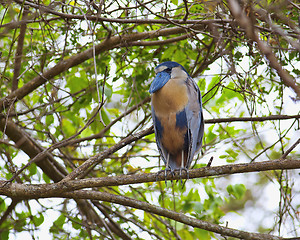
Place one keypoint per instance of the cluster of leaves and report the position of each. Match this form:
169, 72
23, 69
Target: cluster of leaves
101, 97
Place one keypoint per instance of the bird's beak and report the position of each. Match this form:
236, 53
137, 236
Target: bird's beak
159, 81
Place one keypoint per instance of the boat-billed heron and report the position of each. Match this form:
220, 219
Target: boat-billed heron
177, 115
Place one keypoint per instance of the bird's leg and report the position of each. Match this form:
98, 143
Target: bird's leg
183, 167
182, 159
166, 169
167, 166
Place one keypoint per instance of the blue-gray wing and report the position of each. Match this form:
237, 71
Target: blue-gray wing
158, 136
194, 120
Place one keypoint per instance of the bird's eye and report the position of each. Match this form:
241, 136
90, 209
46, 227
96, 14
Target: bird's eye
168, 70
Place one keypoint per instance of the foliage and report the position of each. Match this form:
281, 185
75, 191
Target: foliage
74, 84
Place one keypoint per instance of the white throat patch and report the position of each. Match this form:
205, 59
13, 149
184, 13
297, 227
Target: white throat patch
177, 72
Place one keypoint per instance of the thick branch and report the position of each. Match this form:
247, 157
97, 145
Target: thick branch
179, 217
24, 191
125, 201
19, 52
193, 173
62, 189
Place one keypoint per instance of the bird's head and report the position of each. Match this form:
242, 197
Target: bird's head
166, 71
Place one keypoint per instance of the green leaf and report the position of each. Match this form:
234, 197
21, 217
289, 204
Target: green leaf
76, 83
168, 53
68, 127
237, 190
49, 119
32, 169
201, 234
75, 223
198, 207
105, 116
108, 91
58, 224
4, 235
2, 205
60, 220
212, 88
210, 136
38, 220
46, 178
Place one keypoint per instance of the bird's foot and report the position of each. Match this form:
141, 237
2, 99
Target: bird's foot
180, 173
165, 173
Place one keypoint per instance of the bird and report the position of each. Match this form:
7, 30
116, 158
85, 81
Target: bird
177, 115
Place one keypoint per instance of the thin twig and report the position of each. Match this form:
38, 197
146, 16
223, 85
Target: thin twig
186, 11
290, 149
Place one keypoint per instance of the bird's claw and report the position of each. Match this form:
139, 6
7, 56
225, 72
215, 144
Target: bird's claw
180, 173
165, 173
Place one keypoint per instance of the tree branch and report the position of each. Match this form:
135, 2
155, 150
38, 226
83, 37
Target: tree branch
67, 189
179, 217
193, 173
252, 119
99, 157
15, 188
25, 191
156, 43
290, 149
19, 52
8, 211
